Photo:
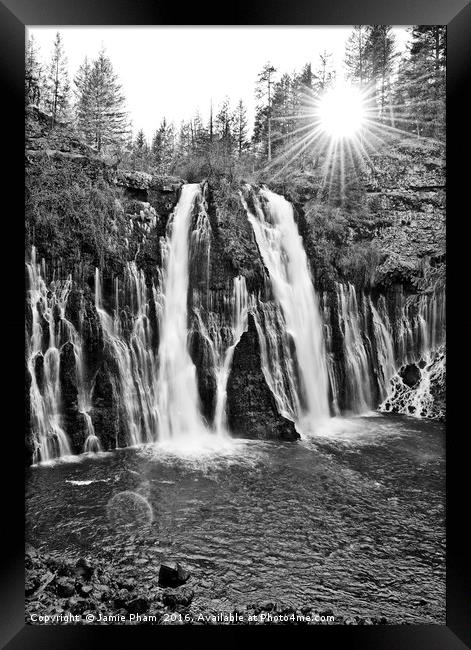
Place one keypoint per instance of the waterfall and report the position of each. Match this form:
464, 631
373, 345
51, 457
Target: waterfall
284, 256
377, 342
334, 388
278, 360
238, 324
383, 336
47, 304
134, 359
177, 391
353, 327
92, 443
419, 344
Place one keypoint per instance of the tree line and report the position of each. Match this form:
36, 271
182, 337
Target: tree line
407, 92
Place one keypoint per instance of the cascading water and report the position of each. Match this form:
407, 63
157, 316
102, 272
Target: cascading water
377, 342
383, 337
134, 360
334, 389
419, 346
357, 369
177, 391
284, 256
221, 326
278, 361
47, 304
359, 348
92, 442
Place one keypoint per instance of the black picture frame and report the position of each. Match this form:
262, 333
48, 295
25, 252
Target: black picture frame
456, 14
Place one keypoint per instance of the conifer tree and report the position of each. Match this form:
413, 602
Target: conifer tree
33, 74
380, 54
264, 94
240, 127
57, 87
355, 55
101, 115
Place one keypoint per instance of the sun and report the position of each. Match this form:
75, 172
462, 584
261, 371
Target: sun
341, 112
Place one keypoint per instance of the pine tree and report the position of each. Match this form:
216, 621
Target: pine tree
163, 147
421, 85
140, 152
224, 122
240, 127
57, 87
325, 74
101, 116
380, 56
355, 55
264, 93
82, 94
33, 74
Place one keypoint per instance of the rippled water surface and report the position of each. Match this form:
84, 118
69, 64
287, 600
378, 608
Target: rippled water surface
352, 520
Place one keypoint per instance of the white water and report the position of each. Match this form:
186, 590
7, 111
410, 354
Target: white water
177, 392
158, 394
284, 256
278, 362
47, 305
372, 366
357, 369
238, 325
135, 361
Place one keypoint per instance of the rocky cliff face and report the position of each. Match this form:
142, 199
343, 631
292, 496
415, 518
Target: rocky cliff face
251, 408
84, 213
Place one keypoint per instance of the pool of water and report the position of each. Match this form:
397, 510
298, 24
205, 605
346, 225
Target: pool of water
351, 520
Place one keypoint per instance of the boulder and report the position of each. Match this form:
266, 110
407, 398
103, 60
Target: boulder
172, 574
410, 375
65, 587
179, 597
138, 605
84, 569
251, 407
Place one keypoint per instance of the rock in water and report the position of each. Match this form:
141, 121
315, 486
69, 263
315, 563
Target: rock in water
251, 406
84, 569
65, 587
172, 574
410, 375
180, 597
138, 605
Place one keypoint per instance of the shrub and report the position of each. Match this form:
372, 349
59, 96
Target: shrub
72, 217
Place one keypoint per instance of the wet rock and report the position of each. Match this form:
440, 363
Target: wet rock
121, 598
127, 583
84, 590
350, 621
73, 420
178, 597
65, 587
251, 407
201, 356
267, 606
172, 574
78, 606
138, 605
32, 582
84, 569
410, 375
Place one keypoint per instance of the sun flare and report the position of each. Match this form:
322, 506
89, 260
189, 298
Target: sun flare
342, 112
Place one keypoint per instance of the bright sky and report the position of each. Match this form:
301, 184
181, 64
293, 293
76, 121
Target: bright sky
173, 71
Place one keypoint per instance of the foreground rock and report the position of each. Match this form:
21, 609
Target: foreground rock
172, 574
55, 588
